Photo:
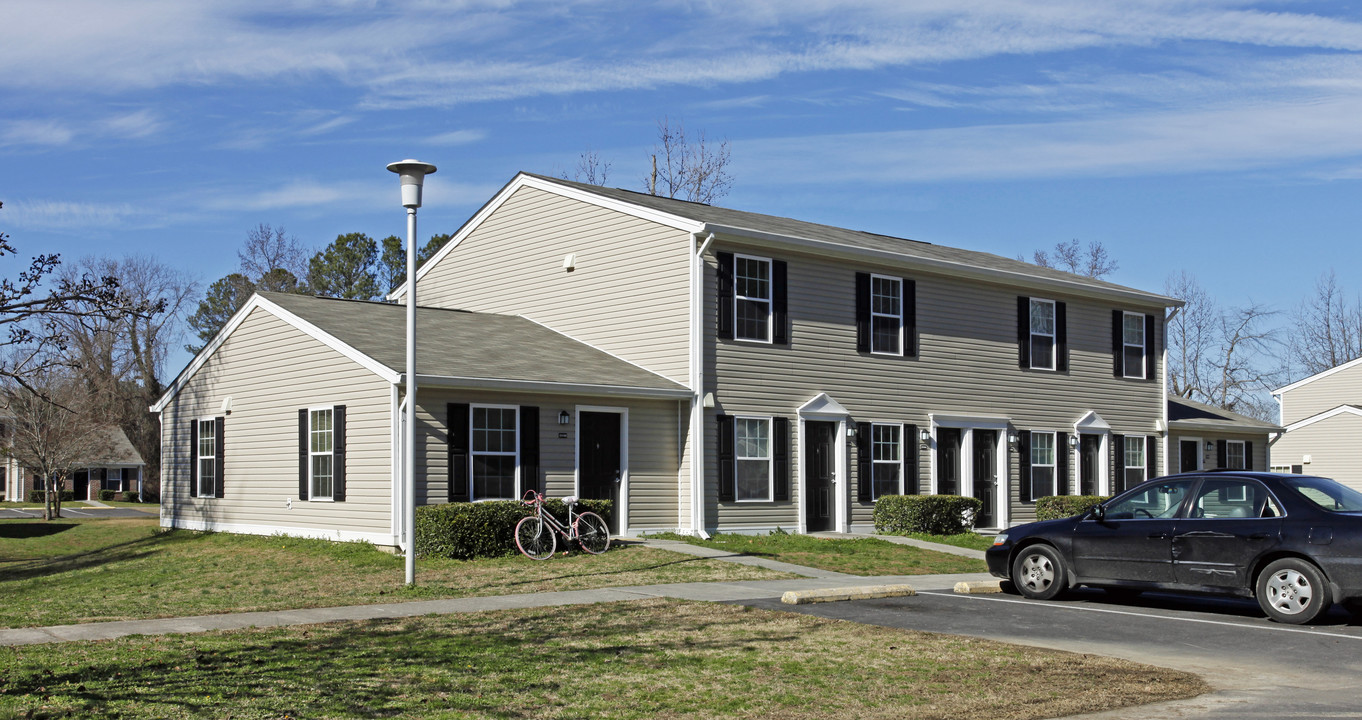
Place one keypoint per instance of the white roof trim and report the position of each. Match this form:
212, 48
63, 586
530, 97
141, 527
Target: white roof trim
1091, 421
823, 404
256, 301
523, 180
1341, 409
1317, 376
548, 386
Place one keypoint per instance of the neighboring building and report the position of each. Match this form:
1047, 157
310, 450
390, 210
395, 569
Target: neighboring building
119, 468
711, 369
1322, 416
1205, 437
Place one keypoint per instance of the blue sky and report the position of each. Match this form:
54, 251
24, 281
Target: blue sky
1223, 138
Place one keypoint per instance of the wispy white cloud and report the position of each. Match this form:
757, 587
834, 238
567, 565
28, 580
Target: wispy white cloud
458, 137
138, 124
34, 132
65, 215
308, 193
327, 126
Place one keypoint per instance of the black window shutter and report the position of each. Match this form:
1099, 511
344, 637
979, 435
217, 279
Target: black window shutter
909, 318
1118, 463
529, 449
910, 460
193, 458
1248, 455
1061, 336
1062, 458
1150, 347
728, 470
865, 479
457, 443
1118, 343
1024, 466
1151, 448
218, 465
302, 454
724, 290
1024, 332
863, 312
780, 435
338, 453
780, 310
1221, 451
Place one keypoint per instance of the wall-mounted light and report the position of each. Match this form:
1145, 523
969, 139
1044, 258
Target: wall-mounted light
563, 417
924, 437
1073, 442
851, 429
1013, 440
1209, 446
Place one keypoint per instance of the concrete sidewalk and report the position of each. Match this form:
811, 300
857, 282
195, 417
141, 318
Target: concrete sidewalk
712, 592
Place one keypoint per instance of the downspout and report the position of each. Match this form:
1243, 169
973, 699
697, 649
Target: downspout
697, 386
1167, 431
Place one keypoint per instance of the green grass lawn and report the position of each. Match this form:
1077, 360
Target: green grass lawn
863, 556
648, 659
969, 540
70, 571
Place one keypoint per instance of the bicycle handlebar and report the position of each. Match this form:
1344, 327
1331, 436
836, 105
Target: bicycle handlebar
531, 498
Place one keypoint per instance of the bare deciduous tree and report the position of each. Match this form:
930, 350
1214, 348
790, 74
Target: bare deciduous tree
55, 428
691, 169
1326, 329
269, 248
1092, 261
590, 169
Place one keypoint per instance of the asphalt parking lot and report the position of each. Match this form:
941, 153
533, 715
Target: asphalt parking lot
78, 512
1260, 669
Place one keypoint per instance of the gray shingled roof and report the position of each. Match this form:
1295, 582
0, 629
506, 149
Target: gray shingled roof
1190, 413
460, 344
775, 225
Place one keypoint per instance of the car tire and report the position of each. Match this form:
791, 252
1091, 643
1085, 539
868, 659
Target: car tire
1292, 591
1039, 573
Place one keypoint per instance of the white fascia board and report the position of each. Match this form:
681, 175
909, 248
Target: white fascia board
523, 180
552, 388
1185, 426
256, 301
1323, 416
947, 267
1317, 376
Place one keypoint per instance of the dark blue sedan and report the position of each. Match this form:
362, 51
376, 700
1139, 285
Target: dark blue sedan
1294, 542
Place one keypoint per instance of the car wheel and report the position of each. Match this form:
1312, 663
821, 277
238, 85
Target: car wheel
1039, 573
1292, 591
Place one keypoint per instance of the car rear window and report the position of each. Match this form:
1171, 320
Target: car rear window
1326, 493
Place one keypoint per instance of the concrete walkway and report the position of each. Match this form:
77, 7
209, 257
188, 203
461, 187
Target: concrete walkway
949, 549
712, 591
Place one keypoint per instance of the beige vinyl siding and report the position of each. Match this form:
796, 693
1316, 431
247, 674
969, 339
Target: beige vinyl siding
1208, 457
652, 463
967, 365
271, 370
1332, 445
629, 294
1343, 387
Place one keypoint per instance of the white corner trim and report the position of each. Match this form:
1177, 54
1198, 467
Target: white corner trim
1318, 376
522, 180
1341, 409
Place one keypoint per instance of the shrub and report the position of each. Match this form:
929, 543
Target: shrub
463, 531
1054, 507
130, 496
108, 494
932, 514
39, 496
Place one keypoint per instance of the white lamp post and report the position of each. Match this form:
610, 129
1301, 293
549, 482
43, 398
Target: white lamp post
413, 176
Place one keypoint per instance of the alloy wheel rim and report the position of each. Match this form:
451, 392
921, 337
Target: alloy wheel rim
1289, 591
1037, 572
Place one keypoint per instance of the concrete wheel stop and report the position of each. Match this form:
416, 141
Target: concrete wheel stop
863, 592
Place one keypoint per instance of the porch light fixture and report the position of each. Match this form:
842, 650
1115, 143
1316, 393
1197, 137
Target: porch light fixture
851, 428
1013, 439
1073, 442
563, 417
413, 174
1209, 446
924, 436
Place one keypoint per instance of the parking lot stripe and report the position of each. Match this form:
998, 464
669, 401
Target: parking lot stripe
1276, 628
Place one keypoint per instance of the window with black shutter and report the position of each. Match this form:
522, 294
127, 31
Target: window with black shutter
727, 464
456, 415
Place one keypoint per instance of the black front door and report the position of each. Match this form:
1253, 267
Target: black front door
1089, 468
1189, 456
947, 461
599, 468
819, 456
986, 476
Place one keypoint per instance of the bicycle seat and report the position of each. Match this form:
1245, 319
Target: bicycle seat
570, 500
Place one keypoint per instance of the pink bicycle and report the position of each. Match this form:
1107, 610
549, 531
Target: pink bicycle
536, 535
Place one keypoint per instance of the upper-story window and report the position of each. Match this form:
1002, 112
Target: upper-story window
1043, 334
1133, 345
752, 298
886, 315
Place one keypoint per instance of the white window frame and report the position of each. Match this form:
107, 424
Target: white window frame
1144, 467
876, 463
108, 475
769, 300
1143, 345
1053, 334
1243, 454
199, 457
312, 495
1055, 450
898, 317
770, 458
473, 453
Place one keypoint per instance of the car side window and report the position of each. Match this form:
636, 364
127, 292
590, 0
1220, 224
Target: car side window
1228, 498
1154, 500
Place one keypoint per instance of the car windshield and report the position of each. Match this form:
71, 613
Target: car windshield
1326, 493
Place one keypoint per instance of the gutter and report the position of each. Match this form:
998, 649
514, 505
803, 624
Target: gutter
697, 385
550, 387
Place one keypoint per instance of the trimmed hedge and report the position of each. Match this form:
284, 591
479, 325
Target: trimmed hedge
932, 514
464, 531
130, 496
1054, 507
40, 496
108, 494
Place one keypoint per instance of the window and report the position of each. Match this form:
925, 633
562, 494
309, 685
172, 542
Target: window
1154, 501
887, 459
752, 442
1042, 334
206, 457
1234, 499
321, 458
1135, 464
1234, 455
1133, 345
1042, 465
886, 315
752, 298
113, 479
495, 452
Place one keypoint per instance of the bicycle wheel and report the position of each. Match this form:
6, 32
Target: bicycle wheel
592, 533
535, 538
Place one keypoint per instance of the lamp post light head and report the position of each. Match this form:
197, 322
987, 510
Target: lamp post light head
413, 174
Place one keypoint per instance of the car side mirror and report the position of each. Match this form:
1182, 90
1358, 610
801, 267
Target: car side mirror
1099, 512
